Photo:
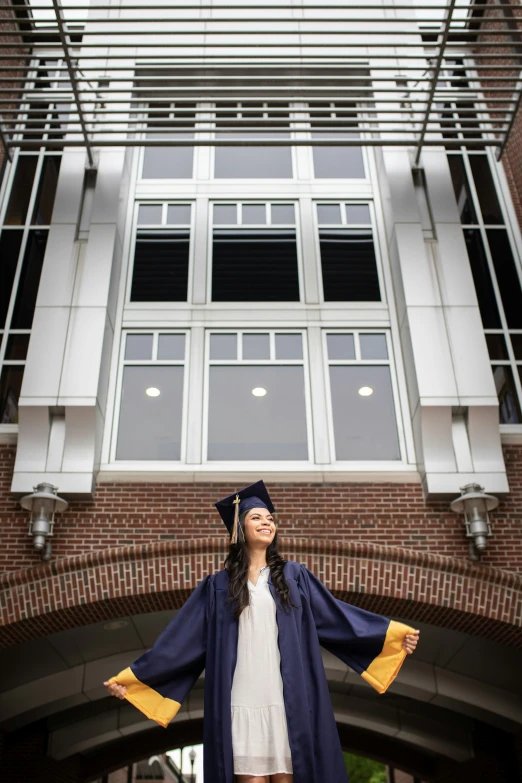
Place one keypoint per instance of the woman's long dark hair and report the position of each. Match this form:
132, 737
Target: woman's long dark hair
237, 563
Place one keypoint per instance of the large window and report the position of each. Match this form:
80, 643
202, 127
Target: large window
256, 396
151, 405
259, 121
496, 273
169, 122
348, 263
254, 253
330, 121
161, 253
362, 404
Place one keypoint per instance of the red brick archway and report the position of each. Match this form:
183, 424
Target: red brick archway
422, 586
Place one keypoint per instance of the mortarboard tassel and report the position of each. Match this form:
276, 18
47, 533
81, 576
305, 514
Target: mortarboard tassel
233, 539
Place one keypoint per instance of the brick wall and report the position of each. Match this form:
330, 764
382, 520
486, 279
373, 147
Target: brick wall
125, 515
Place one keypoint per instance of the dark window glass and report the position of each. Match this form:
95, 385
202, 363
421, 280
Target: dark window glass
363, 413
486, 191
43, 208
29, 280
279, 415
168, 162
10, 385
247, 162
447, 120
349, 266
336, 161
160, 272
36, 121
10, 242
17, 345
254, 266
509, 406
507, 276
21, 190
482, 279
516, 341
462, 190
497, 346
150, 424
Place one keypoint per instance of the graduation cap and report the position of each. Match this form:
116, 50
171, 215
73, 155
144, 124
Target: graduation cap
253, 496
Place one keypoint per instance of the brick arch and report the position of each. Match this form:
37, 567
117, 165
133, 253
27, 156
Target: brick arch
422, 586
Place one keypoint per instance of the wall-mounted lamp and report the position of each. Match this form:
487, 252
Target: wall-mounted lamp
475, 505
42, 504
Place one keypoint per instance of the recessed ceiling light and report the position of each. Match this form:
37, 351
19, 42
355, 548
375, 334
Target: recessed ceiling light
115, 625
365, 391
152, 391
259, 391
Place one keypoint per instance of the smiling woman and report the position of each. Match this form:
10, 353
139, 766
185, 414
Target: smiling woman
257, 627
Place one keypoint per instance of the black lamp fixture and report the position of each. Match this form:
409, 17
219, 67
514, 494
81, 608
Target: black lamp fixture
475, 504
42, 504
192, 757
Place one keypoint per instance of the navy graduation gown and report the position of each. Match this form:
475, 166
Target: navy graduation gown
204, 635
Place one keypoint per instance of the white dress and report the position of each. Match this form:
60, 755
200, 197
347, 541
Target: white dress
259, 731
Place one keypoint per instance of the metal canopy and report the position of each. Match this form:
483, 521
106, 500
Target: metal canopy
177, 73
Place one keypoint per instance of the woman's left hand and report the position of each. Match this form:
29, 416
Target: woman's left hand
409, 642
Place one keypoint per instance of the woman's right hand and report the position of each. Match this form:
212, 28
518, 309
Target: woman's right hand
116, 690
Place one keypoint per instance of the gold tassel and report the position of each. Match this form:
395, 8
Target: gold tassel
233, 539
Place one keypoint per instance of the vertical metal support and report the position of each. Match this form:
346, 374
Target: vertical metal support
435, 77
65, 41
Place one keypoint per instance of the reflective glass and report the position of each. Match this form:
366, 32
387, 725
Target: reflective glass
462, 189
160, 269
225, 214
337, 162
10, 386
10, 243
247, 426
43, 207
149, 214
17, 345
373, 346
349, 266
509, 405
171, 346
289, 346
486, 190
168, 162
178, 214
254, 214
21, 190
138, 346
252, 162
496, 346
223, 346
358, 214
482, 278
150, 422
363, 413
516, 341
256, 346
283, 214
508, 278
341, 346
329, 213
29, 280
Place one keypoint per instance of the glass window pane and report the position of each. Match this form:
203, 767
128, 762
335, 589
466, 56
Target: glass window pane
43, 208
225, 214
373, 346
10, 385
247, 162
178, 214
17, 345
509, 405
254, 214
168, 162
138, 346
358, 213
481, 277
256, 346
516, 341
486, 191
507, 276
171, 346
10, 242
349, 266
289, 346
160, 271
364, 423
150, 413
496, 346
223, 346
255, 265
29, 280
243, 426
462, 189
341, 346
21, 190
149, 214
329, 213
337, 162
283, 214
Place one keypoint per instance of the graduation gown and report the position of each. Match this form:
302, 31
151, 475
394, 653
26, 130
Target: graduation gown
204, 634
